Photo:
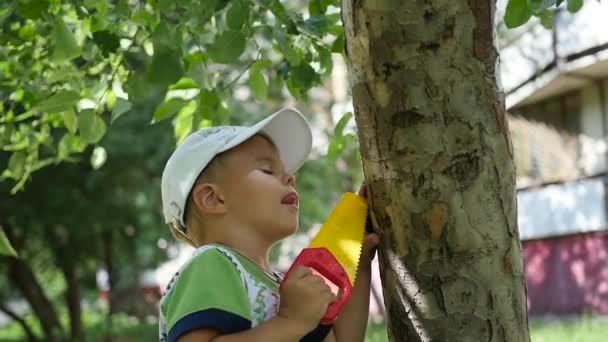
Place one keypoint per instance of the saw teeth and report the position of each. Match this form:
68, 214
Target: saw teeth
356, 271
343, 233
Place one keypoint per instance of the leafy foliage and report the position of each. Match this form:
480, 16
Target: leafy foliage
520, 11
71, 69
5, 246
68, 211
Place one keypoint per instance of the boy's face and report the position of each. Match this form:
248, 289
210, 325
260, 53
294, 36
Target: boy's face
258, 191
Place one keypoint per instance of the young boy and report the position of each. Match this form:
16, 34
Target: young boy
230, 192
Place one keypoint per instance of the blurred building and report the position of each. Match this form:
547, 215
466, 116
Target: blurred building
556, 85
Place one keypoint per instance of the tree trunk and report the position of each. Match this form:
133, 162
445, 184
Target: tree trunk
438, 162
73, 299
31, 337
67, 260
23, 278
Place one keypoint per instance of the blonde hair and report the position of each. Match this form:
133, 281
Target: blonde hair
193, 233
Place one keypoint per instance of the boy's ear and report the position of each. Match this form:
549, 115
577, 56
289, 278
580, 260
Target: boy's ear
209, 198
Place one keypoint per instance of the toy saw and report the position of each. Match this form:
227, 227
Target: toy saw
335, 251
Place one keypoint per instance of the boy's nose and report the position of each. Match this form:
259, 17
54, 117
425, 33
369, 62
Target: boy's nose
290, 179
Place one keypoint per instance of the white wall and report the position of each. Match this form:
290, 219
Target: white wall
562, 209
592, 137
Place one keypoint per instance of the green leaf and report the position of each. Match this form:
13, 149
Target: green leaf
168, 109
183, 84
538, 6
303, 76
294, 90
144, 95
164, 37
70, 120
183, 124
280, 12
16, 164
66, 47
204, 10
69, 144
238, 14
5, 245
325, 60
107, 41
517, 13
142, 16
338, 145
335, 148
575, 5
220, 4
293, 56
32, 9
338, 45
547, 19
208, 103
315, 7
164, 5
261, 65
59, 102
91, 126
339, 129
28, 31
258, 85
166, 67
135, 59
228, 47
5, 12
122, 106
317, 25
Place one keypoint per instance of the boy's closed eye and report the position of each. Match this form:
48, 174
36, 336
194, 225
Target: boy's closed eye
267, 166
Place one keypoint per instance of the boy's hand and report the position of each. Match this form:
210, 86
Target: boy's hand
304, 299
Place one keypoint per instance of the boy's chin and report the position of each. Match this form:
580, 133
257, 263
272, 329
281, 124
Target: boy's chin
286, 230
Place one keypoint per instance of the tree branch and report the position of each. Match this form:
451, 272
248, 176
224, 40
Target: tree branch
26, 328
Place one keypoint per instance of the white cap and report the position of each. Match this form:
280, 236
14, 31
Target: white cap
287, 128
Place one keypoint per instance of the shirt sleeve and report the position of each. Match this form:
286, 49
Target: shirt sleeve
208, 294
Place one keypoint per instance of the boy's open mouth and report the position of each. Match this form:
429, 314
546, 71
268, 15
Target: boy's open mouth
290, 199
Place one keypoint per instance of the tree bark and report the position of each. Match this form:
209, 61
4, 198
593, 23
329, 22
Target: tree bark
66, 261
31, 337
73, 298
438, 163
23, 278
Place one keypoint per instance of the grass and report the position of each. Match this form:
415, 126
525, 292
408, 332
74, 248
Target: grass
579, 329
376, 333
125, 329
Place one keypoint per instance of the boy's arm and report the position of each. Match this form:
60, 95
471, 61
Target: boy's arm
352, 322
304, 300
277, 329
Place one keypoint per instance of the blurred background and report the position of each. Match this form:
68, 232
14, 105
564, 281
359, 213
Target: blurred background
94, 256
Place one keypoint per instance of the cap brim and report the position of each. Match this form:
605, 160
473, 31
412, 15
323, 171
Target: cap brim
289, 131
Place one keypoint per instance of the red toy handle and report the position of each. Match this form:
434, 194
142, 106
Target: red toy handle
324, 263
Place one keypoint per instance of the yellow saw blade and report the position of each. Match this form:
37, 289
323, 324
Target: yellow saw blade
343, 233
